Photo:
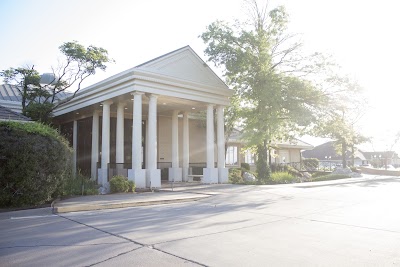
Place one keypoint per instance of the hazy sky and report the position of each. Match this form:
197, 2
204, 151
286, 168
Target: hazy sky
362, 36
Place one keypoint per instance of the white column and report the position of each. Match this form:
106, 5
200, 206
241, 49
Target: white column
75, 147
146, 149
120, 133
95, 144
105, 142
175, 173
153, 174
222, 171
137, 174
185, 148
119, 142
210, 174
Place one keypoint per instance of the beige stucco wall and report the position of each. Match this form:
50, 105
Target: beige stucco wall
197, 140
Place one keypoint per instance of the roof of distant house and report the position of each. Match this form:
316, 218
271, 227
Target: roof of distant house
380, 154
327, 151
10, 92
7, 114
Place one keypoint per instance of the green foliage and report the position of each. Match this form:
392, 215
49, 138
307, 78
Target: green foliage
34, 161
311, 162
120, 184
267, 70
283, 178
245, 166
40, 99
42, 112
79, 185
330, 177
131, 186
235, 176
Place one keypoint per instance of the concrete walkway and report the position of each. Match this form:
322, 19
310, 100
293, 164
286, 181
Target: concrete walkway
177, 193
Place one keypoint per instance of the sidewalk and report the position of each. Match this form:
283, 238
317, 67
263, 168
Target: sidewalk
114, 201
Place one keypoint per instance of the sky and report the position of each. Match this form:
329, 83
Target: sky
360, 35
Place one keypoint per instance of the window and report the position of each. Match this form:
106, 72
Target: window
249, 157
231, 156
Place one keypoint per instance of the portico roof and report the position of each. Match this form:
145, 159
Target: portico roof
180, 78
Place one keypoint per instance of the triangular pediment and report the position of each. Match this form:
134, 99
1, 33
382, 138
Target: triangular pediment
184, 64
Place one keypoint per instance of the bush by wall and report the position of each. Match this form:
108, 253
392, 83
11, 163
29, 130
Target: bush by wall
34, 161
120, 184
235, 176
79, 185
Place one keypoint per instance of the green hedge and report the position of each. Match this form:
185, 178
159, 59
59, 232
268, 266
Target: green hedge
34, 161
121, 184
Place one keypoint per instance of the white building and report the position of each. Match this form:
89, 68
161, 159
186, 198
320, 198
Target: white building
144, 119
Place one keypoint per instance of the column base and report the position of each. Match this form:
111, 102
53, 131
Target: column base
102, 176
175, 174
185, 173
138, 176
210, 176
223, 175
153, 178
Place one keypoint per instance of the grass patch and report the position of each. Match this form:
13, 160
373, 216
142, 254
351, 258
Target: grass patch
329, 177
283, 178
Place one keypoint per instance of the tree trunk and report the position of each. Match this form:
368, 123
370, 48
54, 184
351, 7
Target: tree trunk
344, 148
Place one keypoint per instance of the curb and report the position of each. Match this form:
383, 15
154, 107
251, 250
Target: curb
89, 207
338, 182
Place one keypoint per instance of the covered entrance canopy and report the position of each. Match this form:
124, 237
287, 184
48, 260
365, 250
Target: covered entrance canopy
148, 116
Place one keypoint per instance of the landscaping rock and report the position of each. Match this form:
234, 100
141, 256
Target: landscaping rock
105, 189
248, 177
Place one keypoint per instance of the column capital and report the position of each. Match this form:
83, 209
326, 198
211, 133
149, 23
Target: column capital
96, 111
137, 93
107, 102
152, 96
210, 105
121, 104
175, 112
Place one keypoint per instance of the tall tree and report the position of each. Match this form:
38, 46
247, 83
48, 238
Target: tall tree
41, 95
267, 71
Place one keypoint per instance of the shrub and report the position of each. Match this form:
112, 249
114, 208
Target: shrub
235, 176
131, 186
119, 184
34, 159
245, 166
283, 178
79, 185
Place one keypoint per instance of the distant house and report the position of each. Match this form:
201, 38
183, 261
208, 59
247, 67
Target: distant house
382, 158
282, 152
7, 114
327, 152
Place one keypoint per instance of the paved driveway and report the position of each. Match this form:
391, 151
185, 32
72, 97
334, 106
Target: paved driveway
349, 224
